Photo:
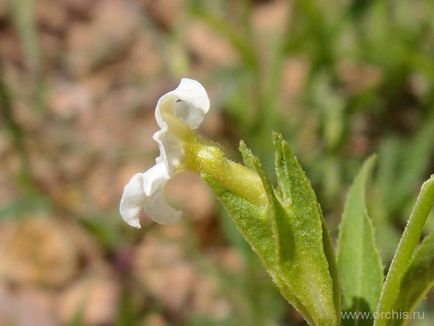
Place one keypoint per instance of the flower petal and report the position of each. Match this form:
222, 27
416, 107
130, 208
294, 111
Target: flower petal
159, 210
145, 193
189, 102
132, 201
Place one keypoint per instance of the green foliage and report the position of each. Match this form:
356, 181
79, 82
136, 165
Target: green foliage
23, 206
227, 31
419, 278
358, 259
326, 113
401, 263
21, 10
23, 17
402, 164
289, 236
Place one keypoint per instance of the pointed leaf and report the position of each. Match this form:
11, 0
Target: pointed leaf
289, 236
419, 278
307, 261
405, 252
359, 262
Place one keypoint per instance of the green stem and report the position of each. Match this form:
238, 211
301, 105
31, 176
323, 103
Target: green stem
405, 250
22, 13
16, 133
209, 160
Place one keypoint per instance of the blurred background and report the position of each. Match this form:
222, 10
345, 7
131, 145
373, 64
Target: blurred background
79, 80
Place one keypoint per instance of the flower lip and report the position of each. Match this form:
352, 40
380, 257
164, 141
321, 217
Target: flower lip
188, 104
193, 98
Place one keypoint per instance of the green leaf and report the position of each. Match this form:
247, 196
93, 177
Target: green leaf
359, 263
250, 220
419, 278
406, 249
289, 236
313, 264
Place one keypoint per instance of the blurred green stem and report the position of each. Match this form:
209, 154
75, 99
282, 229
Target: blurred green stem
23, 19
15, 131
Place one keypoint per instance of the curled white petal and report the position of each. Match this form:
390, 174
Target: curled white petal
132, 201
188, 102
145, 193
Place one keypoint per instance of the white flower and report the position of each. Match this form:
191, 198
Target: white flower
188, 103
